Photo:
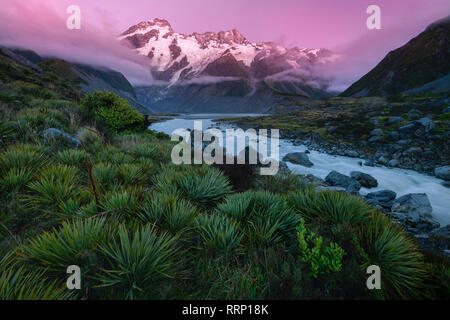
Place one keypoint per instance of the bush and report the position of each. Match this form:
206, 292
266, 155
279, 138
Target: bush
114, 111
322, 259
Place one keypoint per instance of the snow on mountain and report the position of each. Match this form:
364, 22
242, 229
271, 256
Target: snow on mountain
176, 57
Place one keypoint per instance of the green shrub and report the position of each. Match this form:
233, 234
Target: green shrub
323, 259
114, 111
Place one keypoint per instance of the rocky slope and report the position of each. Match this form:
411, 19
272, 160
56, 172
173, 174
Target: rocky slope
422, 65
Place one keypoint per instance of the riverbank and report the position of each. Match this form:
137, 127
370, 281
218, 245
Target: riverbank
411, 134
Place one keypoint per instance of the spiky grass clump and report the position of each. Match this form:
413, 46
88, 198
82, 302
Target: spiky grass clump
75, 243
264, 217
137, 264
401, 264
219, 234
119, 203
22, 156
73, 157
170, 213
15, 179
22, 284
204, 186
57, 185
331, 207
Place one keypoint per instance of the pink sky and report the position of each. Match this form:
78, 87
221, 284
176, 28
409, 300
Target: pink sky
339, 25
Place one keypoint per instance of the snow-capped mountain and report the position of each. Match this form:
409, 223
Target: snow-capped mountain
176, 57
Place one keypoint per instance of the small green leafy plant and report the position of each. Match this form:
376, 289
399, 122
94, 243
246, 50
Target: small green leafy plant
323, 259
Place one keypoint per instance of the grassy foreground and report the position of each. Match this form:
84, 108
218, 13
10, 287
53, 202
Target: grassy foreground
142, 228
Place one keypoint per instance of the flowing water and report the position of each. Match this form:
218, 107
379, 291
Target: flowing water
399, 180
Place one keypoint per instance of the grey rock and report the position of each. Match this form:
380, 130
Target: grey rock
393, 120
427, 123
351, 153
412, 150
395, 135
300, 158
374, 121
393, 163
335, 178
407, 129
382, 196
383, 160
53, 133
364, 179
415, 205
376, 132
443, 232
442, 173
376, 139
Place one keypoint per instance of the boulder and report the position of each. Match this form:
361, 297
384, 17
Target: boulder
335, 178
351, 153
376, 139
364, 179
395, 135
53, 133
374, 121
376, 132
300, 158
415, 206
393, 120
393, 163
382, 196
442, 172
426, 123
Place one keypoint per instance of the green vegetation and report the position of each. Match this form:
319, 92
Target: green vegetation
140, 227
114, 111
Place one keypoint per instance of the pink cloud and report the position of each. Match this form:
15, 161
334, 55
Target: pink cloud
336, 25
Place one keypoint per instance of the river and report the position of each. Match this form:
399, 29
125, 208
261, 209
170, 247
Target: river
399, 180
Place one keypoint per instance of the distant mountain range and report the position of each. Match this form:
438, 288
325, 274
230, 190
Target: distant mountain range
224, 72
421, 65
221, 71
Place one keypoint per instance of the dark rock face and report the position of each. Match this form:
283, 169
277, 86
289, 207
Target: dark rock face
335, 178
364, 179
423, 60
300, 158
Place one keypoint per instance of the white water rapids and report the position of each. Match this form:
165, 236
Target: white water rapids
399, 180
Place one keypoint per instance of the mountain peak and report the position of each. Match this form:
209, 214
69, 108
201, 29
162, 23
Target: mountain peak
176, 56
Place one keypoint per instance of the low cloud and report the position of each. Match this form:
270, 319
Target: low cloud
41, 27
